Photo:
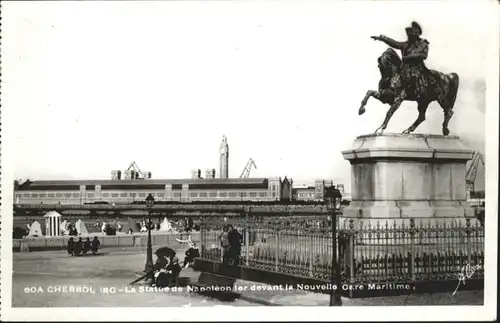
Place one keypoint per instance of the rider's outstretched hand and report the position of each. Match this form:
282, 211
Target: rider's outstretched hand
376, 37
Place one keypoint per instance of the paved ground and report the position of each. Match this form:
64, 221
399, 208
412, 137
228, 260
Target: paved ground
302, 298
37, 275
104, 279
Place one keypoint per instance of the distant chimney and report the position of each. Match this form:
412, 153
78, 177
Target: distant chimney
210, 173
196, 174
119, 175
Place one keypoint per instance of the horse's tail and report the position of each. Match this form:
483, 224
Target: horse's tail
452, 94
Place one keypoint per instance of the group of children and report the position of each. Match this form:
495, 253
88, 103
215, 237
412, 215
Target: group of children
81, 247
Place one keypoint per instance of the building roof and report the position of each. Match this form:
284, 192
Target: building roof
146, 184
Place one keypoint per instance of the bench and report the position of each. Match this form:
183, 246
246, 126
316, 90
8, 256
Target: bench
217, 286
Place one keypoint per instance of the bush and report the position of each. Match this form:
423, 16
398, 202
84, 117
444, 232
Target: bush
110, 231
19, 233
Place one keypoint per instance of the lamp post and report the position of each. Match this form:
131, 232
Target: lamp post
150, 200
333, 199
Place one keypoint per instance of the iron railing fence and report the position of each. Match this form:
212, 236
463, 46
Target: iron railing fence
386, 251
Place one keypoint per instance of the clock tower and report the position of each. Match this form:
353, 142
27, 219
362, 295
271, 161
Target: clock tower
224, 158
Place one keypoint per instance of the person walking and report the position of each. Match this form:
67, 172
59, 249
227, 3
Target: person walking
71, 246
86, 246
78, 247
226, 246
235, 242
95, 245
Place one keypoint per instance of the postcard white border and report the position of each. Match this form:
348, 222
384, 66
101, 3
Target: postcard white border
382, 313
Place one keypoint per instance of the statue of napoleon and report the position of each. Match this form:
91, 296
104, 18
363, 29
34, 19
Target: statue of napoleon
408, 79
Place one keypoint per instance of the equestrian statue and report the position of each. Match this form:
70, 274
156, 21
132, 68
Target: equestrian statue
408, 79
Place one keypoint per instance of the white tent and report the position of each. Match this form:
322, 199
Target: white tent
165, 225
80, 227
35, 230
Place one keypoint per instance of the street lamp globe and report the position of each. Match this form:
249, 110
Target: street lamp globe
333, 198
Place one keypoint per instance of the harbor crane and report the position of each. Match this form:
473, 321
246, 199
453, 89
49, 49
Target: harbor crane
246, 171
471, 173
132, 172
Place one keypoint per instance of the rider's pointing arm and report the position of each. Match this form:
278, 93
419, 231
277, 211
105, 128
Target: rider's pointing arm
389, 41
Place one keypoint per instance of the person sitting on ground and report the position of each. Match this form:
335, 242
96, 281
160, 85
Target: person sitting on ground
191, 253
95, 245
161, 262
169, 276
71, 246
79, 247
159, 269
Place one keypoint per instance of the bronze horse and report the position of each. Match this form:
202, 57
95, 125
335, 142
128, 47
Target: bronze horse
442, 88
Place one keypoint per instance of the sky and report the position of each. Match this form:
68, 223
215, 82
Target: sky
91, 86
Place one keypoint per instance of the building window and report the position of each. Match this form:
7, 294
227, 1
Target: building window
43, 195
232, 194
123, 194
203, 194
66, 195
262, 194
26, 194
50, 195
141, 194
76, 195
114, 194
132, 195
213, 194
274, 194
193, 194
222, 194
253, 194
59, 195
90, 195
243, 194
34, 195
177, 194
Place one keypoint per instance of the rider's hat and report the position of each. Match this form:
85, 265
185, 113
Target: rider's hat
415, 27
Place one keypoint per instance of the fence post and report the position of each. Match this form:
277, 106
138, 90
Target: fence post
201, 239
350, 252
311, 256
276, 252
412, 250
468, 241
247, 243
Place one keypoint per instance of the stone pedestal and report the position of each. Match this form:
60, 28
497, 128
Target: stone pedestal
398, 177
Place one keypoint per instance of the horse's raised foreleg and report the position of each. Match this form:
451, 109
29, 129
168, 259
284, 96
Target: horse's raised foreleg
394, 107
422, 109
369, 93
